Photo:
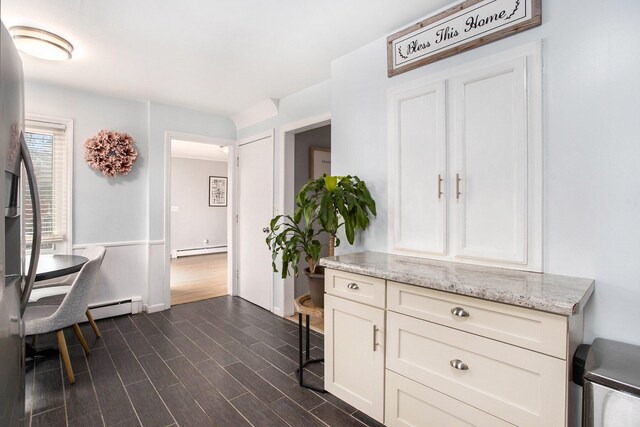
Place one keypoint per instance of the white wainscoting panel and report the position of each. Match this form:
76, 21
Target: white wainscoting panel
123, 275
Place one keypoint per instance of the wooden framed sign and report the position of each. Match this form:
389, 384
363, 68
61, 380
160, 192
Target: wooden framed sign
464, 26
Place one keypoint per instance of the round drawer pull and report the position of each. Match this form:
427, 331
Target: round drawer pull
352, 285
459, 365
460, 312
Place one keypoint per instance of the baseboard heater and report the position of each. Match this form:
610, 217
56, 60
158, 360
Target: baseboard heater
198, 251
131, 305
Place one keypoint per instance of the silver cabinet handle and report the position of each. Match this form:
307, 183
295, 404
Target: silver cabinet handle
37, 224
265, 230
353, 286
375, 329
460, 312
458, 179
440, 193
459, 365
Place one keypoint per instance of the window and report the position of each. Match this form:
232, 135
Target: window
50, 145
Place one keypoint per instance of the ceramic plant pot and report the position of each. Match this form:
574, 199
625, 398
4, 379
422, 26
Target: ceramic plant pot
316, 285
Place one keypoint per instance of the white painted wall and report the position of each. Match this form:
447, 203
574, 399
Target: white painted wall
125, 213
104, 209
163, 118
196, 221
591, 127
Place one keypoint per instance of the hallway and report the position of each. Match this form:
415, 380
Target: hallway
199, 277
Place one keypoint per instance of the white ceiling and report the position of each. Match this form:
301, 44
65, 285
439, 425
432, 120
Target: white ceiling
197, 150
221, 56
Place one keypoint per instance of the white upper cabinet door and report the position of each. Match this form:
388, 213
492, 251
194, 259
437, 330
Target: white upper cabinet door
418, 156
465, 163
492, 149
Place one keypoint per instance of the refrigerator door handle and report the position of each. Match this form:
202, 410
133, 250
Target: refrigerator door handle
37, 224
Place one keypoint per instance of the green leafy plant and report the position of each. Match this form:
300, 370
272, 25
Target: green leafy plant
325, 204
336, 201
290, 240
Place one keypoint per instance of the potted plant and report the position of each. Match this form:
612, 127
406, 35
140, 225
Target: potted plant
288, 239
337, 201
326, 204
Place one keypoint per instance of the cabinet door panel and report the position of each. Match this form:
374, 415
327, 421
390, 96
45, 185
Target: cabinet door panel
418, 164
491, 147
354, 368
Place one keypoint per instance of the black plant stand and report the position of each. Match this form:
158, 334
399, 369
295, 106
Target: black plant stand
305, 360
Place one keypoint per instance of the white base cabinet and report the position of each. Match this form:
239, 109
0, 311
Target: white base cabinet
354, 354
430, 358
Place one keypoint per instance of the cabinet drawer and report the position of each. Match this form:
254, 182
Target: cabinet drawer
517, 385
364, 289
535, 330
409, 403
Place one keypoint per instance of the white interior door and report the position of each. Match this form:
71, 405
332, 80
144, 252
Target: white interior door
255, 210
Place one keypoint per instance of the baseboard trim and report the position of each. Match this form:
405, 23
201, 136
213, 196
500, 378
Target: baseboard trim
154, 308
131, 305
278, 311
179, 253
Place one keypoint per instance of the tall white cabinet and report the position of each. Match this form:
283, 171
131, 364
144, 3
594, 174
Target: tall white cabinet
466, 163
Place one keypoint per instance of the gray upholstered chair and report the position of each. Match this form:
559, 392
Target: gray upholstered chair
40, 319
52, 293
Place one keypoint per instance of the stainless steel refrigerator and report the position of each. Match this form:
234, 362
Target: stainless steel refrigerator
16, 284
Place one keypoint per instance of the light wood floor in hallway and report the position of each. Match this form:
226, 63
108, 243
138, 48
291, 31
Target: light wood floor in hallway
198, 277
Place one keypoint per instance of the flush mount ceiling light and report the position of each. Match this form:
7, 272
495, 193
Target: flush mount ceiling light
224, 148
41, 44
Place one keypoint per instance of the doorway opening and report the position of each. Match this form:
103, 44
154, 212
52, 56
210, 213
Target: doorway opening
199, 225
306, 155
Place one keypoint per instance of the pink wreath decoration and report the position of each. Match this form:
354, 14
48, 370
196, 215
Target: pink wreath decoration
111, 153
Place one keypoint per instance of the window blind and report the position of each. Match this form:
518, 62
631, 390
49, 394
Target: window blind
47, 146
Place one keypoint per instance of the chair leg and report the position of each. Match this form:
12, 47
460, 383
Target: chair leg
93, 323
65, 356
83, 343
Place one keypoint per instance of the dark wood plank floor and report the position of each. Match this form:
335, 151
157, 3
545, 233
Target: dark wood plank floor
217, 362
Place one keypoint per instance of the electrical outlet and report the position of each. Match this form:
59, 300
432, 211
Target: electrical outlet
175, 208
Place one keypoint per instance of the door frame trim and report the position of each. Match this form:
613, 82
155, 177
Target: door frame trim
231, 230
286, 194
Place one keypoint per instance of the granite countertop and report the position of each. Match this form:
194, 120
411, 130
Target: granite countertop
552, 293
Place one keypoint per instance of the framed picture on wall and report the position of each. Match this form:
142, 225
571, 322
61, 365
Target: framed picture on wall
319, 162
218, 191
